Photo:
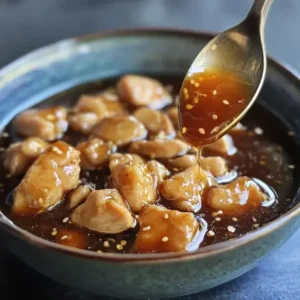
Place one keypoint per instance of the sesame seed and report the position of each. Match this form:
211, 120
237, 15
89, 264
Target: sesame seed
291, 133
214, 92
147, 228
8, 175
215, 117
211, 233
123, 243
166, 216
2, 149
196, 100
185, 90
175, 169
184, 130
254, 219
218, 219
192, 81
57, 150
189, 106
40, 201
214, 47
197, 84
225, 102
64, 237
291, 167
234, 219
201, 130
165, 239
119, 247
99, 251
5, 134
65, 220
215, 129
258, 131
137, 216
220, 212
106, 244
231, 228
255, 225
54, 232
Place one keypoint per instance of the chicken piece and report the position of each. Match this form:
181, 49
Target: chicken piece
54, 173
82, 122
104, 211
94, 153
71, 238
236, 197
160, 148
184, 190
173, 115
78, 195
216, 165
20, 156
135, 183
101, 105
155, 121
224, 145
143, 91
164, 230
158, 171
48, 124
118, 158
120, 130
183, 162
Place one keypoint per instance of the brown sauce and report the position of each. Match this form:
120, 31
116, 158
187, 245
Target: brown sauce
258, 155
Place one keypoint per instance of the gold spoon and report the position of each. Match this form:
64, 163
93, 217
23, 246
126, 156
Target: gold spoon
239, 50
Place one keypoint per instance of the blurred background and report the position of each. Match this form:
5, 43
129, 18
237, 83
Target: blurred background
29, 24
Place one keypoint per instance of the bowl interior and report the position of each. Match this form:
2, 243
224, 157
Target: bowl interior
59, 67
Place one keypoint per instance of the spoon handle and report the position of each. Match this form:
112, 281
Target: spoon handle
259, 11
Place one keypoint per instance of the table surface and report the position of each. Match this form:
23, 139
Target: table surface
28, 24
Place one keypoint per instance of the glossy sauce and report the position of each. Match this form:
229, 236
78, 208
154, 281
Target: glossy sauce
258, 155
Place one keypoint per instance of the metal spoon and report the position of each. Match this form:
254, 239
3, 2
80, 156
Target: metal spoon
239, 50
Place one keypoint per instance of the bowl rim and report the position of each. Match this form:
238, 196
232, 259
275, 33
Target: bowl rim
204, 252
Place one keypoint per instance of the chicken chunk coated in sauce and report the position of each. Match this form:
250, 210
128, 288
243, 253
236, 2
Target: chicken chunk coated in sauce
52, 175
119, 158
94, 153
155, 121
215, 165
237, 197
135, 183
158, 171
82, 122
159, 148
48, 124
224, 145
165, 230
120, 130
104, 211
143, 91
78, 195
20, 156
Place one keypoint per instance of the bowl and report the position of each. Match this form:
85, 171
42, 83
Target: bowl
75, 61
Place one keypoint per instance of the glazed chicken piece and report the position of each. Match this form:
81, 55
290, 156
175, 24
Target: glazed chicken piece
173, 115
143, 91
119, 158
94, 153
183, 162
236, 197
155, 121
71, 238
78, 195
183, 190
224, 145
215, 165
20, 156
160, 148
104, 211
135, 183
52, 175
165, 230
158, 171
120, 130
82, 122
48, 124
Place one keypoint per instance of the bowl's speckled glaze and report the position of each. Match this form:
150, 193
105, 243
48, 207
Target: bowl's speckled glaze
57, 67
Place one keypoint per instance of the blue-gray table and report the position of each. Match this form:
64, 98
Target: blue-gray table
28, 24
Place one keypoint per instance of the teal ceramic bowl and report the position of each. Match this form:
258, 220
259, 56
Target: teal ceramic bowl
60, 66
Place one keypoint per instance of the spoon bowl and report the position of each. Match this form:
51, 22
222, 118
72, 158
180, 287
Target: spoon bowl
239, 50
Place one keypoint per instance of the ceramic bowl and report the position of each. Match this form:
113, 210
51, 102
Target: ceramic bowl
60, 66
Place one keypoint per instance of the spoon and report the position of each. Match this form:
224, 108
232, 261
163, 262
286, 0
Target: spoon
239, 50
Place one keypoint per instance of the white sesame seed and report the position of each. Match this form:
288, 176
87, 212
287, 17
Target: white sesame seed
54, 232
226, 102
64, 237
291, 167
201, 130
185, 90
166, 216
57, 150
214, 92
215, 117
220, 212
258, 131
184, 130
255, 225
234, 219
192, 81
65, 220
211, 233
197, 84
231, 228
218, 219
99, 251
106, 244
254, 219
214, 47
165, 239
189, 106
119, 247
147, 228
123, 243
